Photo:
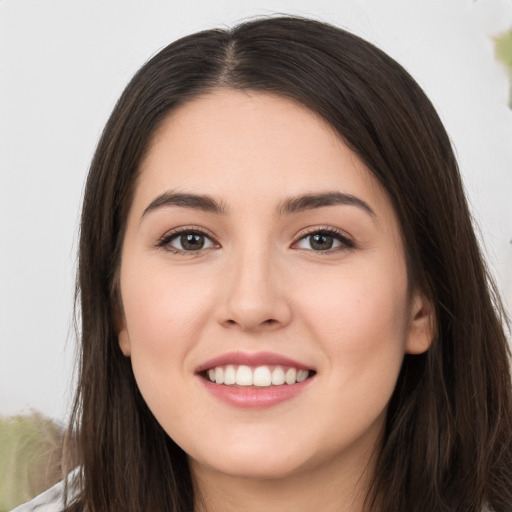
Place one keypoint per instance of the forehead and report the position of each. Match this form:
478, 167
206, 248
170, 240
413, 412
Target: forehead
247, 145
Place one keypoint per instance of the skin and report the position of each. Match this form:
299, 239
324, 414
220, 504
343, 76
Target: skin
259, 285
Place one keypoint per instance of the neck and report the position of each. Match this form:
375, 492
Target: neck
339, 486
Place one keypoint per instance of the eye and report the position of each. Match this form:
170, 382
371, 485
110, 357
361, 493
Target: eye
186, 241
324, 240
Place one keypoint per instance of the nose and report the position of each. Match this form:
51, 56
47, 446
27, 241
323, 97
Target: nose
254, 295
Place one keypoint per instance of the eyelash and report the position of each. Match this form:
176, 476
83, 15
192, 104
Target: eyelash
346, 243
166, 240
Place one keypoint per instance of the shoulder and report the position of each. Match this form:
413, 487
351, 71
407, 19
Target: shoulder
51, 500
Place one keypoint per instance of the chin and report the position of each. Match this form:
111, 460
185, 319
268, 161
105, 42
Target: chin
258, 470
254, 462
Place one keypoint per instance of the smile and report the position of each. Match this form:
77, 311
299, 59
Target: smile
254, 380
260, 376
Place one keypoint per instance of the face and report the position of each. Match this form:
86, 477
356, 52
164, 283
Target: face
266, 306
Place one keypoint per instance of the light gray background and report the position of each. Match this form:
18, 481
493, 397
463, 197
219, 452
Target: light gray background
63, 63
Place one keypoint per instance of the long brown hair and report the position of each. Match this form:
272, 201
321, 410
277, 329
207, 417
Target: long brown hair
448, 440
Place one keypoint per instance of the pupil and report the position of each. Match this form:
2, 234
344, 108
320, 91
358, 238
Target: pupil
321, 242
192, 241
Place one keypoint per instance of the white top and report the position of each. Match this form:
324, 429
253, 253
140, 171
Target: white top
51, 500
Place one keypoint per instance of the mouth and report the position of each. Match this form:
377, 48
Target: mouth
256, 380
263, 376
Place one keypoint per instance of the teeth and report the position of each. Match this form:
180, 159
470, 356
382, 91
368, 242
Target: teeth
219, 375
302, 375
230, 375
244, 376
262, 376
291, 376
278, 376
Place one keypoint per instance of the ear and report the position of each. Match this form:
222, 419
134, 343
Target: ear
122, 332
119, 317
124, 342
422, 324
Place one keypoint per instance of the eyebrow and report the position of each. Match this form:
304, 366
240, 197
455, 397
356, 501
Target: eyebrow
204, 203
312, 201
292, 205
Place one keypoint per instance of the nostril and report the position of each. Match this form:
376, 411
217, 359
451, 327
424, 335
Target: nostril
270, 321
268, 324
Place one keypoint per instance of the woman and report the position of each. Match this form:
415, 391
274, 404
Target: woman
283, 302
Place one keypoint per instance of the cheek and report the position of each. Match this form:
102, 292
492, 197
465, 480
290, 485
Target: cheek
165, 314
360, 323
360, 319
161, 306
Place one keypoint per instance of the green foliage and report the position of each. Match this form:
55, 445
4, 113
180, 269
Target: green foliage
504, 48
30, 458
504, 53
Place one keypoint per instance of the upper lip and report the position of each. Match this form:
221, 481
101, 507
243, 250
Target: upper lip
252, 359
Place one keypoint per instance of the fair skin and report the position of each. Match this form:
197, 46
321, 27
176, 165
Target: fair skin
322, 283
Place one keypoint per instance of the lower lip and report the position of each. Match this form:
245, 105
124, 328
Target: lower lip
254, 397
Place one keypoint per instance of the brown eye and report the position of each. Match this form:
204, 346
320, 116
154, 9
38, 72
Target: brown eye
321, 242
324, 241
192, 241
187, 241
